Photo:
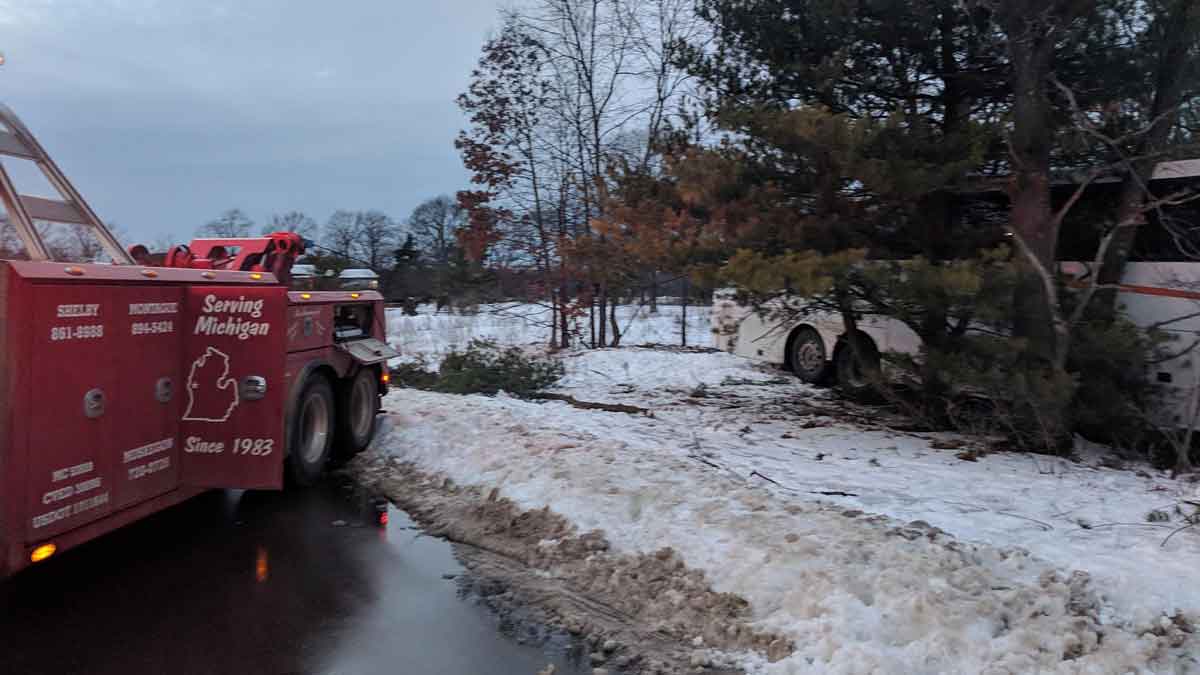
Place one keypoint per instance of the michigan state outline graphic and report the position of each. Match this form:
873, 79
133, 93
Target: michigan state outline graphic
212, 393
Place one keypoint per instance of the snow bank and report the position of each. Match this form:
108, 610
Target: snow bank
856, 594
730, 474
1079, 515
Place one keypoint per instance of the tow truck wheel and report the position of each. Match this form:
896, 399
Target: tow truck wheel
312, 431
360, 405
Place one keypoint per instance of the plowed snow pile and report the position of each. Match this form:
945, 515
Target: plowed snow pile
861, 580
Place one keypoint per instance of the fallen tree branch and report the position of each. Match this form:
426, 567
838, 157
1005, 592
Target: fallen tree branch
769, 480
1177, 531
827, 493
705, 461
591, 405
1102, 526
1045, 526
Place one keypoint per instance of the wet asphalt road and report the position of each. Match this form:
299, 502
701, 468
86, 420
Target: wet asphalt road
265, 583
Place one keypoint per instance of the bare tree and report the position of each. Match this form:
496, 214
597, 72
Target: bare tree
293, 221
75, 243
341, 233
660, 32
163, 242
83, 244
434, 224
10, 244
519, 154
376, 237
564, 93
364, 237
589, 49
231, 224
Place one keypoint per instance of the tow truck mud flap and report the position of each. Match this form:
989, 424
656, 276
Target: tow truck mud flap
233, 393
369, 351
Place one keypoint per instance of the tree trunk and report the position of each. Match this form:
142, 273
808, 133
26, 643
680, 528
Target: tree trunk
602, 311
564, 335
616, 329
941, 216
554, 311
1031, 51
592, 319
654, 291
1033, 28
683, 319
849, 324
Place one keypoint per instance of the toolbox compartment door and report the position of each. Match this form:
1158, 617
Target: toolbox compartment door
368, 351
73, 397
232, 426
149, 328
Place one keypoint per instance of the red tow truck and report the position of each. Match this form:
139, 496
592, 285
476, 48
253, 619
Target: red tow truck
126, 388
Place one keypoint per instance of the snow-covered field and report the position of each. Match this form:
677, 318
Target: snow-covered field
432, 334
770, 488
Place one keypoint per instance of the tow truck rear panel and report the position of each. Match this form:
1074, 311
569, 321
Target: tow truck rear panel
126, 388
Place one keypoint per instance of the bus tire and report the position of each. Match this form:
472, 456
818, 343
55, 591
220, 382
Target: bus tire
807, 356
357, 413
858, 377
312, 431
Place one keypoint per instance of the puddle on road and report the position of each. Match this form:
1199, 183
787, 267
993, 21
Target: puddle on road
429, 600
261, 582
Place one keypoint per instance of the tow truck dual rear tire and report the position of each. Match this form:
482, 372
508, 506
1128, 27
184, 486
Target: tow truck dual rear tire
359, 398
312, 431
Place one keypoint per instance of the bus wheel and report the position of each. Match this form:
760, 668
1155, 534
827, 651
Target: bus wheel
858, 373
359, 408
808, 356
312, 432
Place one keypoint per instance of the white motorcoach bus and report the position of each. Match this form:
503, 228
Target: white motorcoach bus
1165, 295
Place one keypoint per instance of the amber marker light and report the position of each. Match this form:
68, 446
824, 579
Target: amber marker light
42, 552
257, 276
149, 273
262, 565
306, 296
74, 271
355, 295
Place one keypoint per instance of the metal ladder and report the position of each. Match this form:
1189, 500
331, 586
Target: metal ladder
23, 210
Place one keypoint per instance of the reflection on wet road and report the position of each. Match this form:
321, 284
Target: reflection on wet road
248, 582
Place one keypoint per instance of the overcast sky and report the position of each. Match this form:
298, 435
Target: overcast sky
166, 112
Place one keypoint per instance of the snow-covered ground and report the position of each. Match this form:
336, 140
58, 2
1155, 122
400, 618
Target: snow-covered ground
1080, 515
432, 334
759, 481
